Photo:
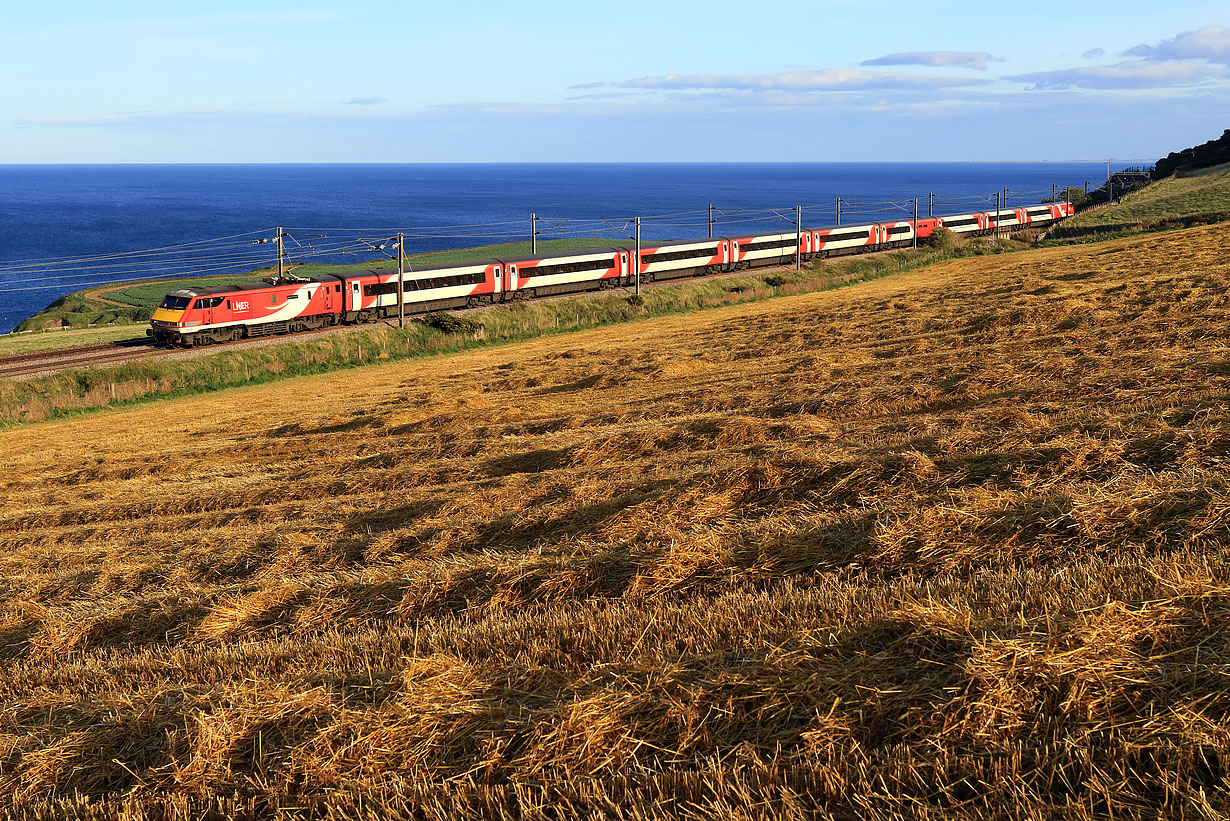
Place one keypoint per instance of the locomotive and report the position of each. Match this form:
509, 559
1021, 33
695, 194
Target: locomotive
203, 316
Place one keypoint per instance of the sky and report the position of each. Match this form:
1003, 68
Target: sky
88, 81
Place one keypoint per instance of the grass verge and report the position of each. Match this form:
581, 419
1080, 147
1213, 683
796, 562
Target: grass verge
1178, 202
45, 340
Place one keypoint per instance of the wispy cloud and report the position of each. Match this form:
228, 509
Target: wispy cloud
1131, 74
365, 101
936, 59
1094, 53
294, 17
1210, 43
829, 79
196, 122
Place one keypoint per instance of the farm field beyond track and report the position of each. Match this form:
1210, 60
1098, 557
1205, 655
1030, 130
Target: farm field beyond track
948, 544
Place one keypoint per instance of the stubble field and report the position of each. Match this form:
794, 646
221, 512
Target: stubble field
942, 545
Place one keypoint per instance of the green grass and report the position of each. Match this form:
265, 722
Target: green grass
43, 340
1204, 172
79, 311
1180, 201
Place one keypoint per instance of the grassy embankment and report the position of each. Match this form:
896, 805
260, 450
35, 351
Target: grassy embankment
74, 391
948, 544
1200, 198
70, 337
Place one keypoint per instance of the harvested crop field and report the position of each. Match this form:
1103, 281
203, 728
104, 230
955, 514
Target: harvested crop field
944, 545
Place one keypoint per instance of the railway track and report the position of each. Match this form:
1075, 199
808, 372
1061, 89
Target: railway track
60, 359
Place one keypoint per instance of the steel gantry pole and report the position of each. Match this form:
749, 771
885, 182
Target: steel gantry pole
839, 212
401, 280
533, 233
281, 256
710, 220
930, 204
915, 223
798, 237
997, 201
636, 259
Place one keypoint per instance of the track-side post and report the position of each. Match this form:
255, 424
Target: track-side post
533, 233
281, 256
916, 223
798, 237
839, 212
710, 220
401, 280
997, 201
636, 259
930, 204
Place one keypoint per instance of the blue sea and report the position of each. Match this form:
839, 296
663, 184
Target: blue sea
63, 227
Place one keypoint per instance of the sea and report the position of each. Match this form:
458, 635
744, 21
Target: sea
66, 227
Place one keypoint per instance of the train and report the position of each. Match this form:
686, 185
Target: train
193, 317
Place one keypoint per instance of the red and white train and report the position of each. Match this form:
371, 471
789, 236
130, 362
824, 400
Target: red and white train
203, 316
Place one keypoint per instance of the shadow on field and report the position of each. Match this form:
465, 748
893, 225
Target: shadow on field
535, 461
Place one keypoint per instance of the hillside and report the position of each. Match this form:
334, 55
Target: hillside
1200, 198
948, 544
1196, 158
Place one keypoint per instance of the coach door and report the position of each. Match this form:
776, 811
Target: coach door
356, 296
498, 290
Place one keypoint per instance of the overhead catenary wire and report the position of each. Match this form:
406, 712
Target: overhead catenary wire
131, 270
143, 251
240, 251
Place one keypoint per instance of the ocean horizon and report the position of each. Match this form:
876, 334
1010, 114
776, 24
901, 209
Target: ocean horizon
53, 213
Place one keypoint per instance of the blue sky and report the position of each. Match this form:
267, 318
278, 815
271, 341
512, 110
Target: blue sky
800, 80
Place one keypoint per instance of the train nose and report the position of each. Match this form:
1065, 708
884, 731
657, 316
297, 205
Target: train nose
167, 315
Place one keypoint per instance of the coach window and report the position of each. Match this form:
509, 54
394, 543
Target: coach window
273, 299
